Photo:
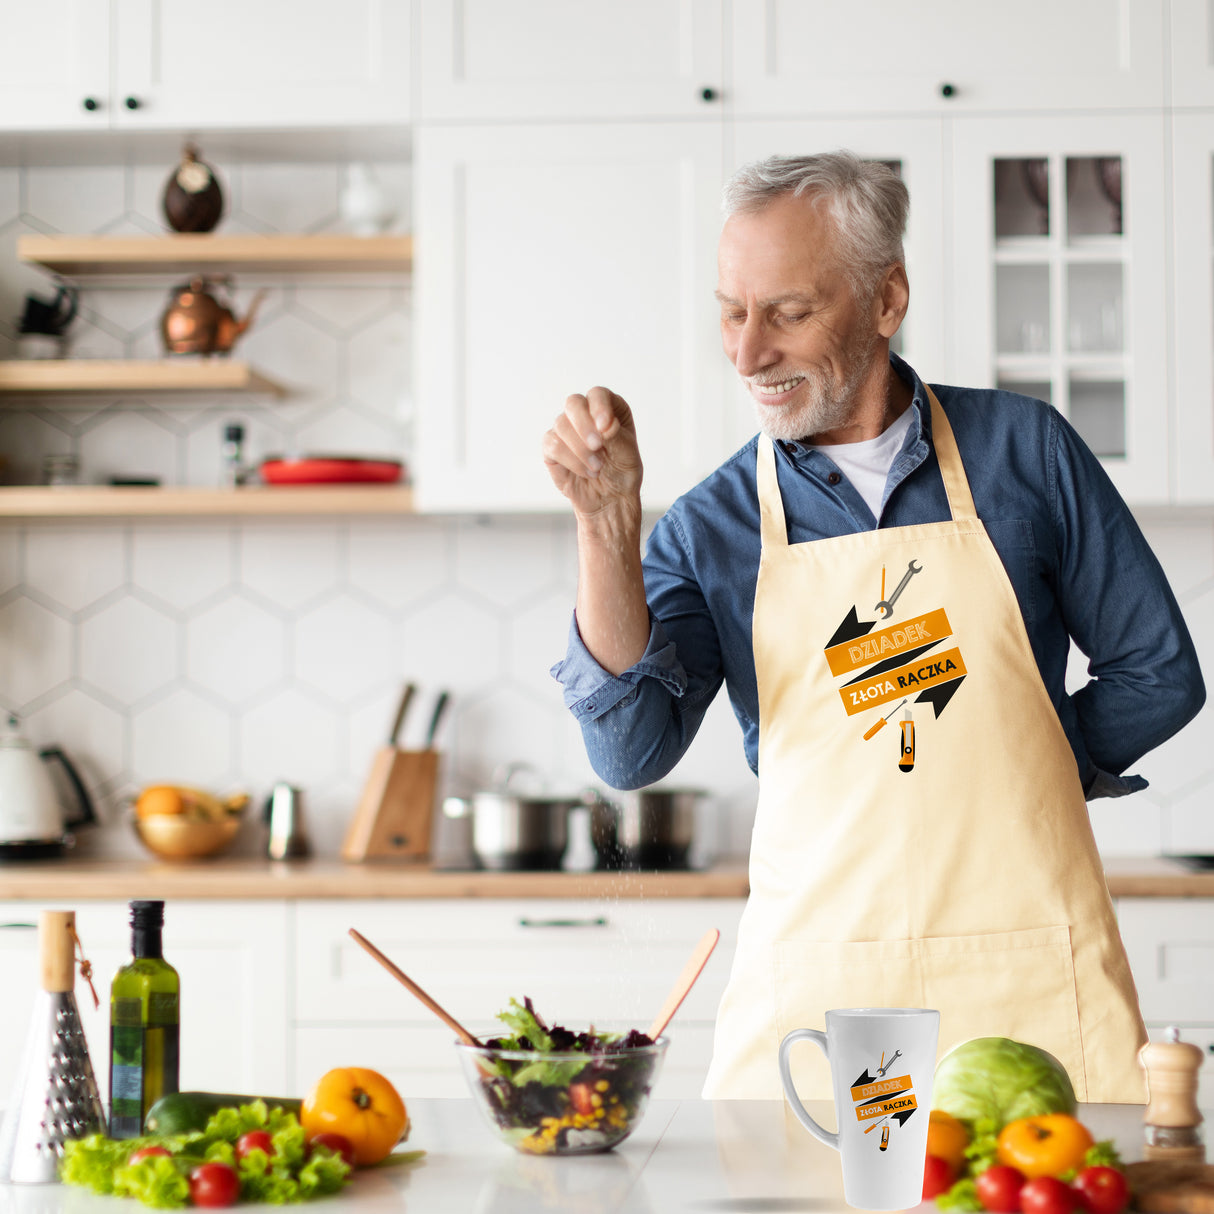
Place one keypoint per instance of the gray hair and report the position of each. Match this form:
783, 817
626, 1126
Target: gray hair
867, 201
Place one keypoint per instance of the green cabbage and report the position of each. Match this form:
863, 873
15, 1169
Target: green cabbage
997, 1080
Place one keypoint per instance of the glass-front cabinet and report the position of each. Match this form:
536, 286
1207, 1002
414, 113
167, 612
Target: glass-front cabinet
1193, 228
1059, 287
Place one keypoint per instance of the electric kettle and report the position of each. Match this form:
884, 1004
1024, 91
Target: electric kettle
33, 824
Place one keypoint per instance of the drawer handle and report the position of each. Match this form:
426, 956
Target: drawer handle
31, 926
598, 921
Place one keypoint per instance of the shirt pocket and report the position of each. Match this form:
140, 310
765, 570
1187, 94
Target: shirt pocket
1018, 984
1013, 540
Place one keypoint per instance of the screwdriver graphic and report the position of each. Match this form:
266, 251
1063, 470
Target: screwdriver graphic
881, 723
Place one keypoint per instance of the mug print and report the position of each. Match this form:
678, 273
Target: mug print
880, 1100
895, 664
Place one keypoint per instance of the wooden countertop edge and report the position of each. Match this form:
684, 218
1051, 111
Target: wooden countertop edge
261, 880
258, 880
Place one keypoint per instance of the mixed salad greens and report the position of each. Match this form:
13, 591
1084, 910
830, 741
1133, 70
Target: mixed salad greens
291, 1171
585, 1091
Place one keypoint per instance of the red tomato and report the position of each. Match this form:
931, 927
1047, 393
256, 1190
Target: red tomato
581, 1096
146, 1153
254, 1140
335, 1142
1048, 1195
999, 1188
938, 1177
214, 1184
1104, 1190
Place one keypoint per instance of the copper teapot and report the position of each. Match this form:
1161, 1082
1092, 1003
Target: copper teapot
196, 322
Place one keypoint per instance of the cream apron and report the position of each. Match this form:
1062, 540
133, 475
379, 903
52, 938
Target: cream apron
921, 838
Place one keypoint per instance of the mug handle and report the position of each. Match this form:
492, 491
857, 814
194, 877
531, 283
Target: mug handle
815, 1035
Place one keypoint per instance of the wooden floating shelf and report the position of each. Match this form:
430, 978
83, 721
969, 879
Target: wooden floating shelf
79, 256
101, 501
76, 375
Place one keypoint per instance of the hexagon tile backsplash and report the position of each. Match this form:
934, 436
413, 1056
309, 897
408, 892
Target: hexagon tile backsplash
234, 654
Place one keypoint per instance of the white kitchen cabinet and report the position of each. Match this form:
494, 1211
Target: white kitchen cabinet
1170, 944
231, 957
950, 56
1059, 279
481, 60
606, 963
1193, 314
549, 259
1192, 53
915, 147
169, 64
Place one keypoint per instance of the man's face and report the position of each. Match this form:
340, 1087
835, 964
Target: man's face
790, 323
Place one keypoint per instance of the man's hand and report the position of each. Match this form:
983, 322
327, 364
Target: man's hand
592, 453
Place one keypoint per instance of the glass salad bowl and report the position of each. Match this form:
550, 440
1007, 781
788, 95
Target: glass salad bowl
576, 1103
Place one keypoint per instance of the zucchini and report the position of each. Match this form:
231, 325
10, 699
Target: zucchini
183, 1112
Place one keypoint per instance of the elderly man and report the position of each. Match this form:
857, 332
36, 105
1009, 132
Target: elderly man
888, 579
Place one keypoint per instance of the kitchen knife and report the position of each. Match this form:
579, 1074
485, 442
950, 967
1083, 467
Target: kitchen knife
440, 707
406, 698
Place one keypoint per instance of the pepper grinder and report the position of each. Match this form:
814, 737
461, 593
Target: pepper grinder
1172, 1115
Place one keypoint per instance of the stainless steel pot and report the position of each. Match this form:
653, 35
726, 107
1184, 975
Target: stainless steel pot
513, 831
651, 828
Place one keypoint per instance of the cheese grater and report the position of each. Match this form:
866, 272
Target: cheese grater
55, 1097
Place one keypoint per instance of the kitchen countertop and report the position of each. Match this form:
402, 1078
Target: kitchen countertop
691, 1155
255, 879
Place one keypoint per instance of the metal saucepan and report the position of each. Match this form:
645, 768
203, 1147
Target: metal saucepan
652, 828
515, 831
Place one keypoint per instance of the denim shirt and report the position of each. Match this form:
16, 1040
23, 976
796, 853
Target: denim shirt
1080, 567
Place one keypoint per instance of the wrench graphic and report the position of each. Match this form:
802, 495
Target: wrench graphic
886, 606
896, 1054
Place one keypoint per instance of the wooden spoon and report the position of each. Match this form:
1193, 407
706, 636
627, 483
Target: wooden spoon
407, 982
685, 981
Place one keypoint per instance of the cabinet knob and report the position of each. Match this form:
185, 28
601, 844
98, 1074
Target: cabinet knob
948, 90
132, 103
708, 93
90, 103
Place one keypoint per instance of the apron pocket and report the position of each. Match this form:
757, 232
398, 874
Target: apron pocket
1008, 984
1017, 984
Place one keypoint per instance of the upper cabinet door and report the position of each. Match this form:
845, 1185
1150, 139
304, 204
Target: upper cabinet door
489, 60
549, 259
1192, 52
948, 56
232, 64
1193, 226
54, 65
1059, 287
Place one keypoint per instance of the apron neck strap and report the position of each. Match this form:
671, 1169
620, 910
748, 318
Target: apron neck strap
956, 484
773, 527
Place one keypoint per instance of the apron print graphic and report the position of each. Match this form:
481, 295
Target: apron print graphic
880, 1100
887, 667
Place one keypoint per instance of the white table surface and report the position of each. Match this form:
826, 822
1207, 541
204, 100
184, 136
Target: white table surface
727, 1157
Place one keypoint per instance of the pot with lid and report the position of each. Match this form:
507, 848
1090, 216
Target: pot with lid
651, 828
516, 831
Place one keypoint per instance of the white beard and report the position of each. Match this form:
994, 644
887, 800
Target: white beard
828, 402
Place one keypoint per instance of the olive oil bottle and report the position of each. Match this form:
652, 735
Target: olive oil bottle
144, 1025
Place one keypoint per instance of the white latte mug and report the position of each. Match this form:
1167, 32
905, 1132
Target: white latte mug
882, 1060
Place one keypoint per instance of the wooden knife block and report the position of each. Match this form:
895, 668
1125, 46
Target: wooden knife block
396, 809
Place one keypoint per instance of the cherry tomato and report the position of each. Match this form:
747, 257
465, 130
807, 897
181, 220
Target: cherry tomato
335, 1142
214, 1184
1044, 1146
581, 1096
1049, 1195
999, 1188
1104, 1190
938, 1177
146, 1153
254, 1140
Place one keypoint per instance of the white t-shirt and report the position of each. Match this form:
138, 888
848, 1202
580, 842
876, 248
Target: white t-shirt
867, 464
